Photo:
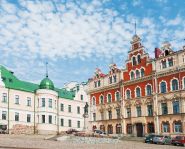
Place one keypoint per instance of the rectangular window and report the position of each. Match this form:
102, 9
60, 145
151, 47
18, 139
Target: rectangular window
4, 113
16, 99
50, 119
69, 123
82, 97
62, 122
110, 80
69, 108
128, 112
102, 116
110, 115
43, 102
114, 79
163, 64
170, 62
118, 113
43, 119
165, 127
164, 108
61, 107
138, 111
175, 107
95, 84
78, 110
78, 124
177, 127
28, 118
4, 97
50, 103
16, 116
55, 104
150, 110
94, 117
99, 83
28, 101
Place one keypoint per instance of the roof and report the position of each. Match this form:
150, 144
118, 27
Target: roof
12, 82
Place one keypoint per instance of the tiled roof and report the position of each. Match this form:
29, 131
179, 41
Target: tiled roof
12, 82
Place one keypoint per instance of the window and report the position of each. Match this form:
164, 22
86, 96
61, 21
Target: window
137, 74
78, 110
165, 127
164, 64
128, 112
94, 101
43, 102
61, 107
82, 97
69, 123
184, 82
150, 110
138, 92
95, 84
94, 117
43, 119
142, 72
163, 87
166, 52
78, 124
61, 122
99, 83
28, 101
4, 99
139, 59
164, 108
118, 113
132, 75
50, 119
101, 99
4, 114
175, 107
170, 62
69, 108
50, 103
138, 111
177, 127
110, 129
110, 80
16, 116
133, 61
109, 98
128, 94
174, 85
117, 96
16, 99
114, 78
110, 115
129, 128
102, 116
28, 118
148, 90
118, 129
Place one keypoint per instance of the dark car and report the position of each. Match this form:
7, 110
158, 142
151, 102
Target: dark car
71, 131
178, 140
149, 138
159, 139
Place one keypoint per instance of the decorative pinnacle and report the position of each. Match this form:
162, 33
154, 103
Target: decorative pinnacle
46, 69
135, 25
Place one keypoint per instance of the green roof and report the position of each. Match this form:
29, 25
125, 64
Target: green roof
46, 83
12, 82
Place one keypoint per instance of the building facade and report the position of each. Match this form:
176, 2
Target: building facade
31, 108
151, 93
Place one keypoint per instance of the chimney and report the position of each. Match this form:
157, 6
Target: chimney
157, 52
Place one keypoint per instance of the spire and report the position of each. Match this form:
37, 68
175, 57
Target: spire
46, 69
135, 25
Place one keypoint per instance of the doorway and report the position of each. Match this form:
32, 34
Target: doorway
139, 129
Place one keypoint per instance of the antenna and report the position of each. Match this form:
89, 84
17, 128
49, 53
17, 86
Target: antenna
46, 69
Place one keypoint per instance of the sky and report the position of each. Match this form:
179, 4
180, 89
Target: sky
76, 36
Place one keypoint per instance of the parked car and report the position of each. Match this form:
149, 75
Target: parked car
99, 132
149, 138
71, 131
159, 139
178, 140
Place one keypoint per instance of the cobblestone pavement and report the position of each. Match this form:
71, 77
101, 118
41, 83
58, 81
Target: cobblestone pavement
38, 142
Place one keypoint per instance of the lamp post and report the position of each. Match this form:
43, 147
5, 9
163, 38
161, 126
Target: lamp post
85, 115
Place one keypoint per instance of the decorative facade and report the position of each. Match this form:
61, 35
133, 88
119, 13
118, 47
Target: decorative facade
43, 108
151, 93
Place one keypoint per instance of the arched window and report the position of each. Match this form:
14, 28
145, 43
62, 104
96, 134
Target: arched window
128, 94
166, 52
142, 72
139, 59
148, 90
101, 99
177, 126
134, 61
163, 87
138, 92
132, 75
93, 101
137, 74
117, 96
174, 84
109, 98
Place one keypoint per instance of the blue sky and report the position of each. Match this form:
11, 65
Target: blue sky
75, 37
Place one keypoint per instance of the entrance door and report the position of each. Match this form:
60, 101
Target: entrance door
139, 129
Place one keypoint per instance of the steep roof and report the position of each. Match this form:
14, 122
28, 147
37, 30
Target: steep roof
12, 82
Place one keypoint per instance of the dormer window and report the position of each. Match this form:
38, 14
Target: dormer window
114, 78
163, 64
170, 62
166, 52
